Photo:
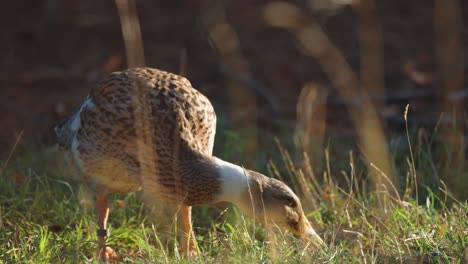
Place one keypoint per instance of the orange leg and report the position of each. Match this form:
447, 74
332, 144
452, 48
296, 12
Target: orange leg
102, 206
187, 240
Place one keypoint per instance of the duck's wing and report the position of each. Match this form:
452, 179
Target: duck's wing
151, 121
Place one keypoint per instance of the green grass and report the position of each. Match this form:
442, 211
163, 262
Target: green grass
46, 216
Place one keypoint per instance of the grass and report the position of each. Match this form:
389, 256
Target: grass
46, 216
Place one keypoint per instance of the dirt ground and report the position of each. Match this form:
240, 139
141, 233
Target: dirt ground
54, 51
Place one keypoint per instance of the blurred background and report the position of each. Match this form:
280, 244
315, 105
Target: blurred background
310, 73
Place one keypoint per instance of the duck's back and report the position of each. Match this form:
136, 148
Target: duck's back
133, 109
177, 110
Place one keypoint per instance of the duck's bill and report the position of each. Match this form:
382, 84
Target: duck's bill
308, 235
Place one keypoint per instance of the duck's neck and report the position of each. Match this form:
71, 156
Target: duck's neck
235, 182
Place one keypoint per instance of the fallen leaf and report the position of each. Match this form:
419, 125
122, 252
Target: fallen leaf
120, 203
17, 178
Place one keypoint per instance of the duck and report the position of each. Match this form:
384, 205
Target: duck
150, 130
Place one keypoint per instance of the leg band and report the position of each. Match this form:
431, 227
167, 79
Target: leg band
102, 232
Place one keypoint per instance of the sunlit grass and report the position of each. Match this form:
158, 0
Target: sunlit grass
48, 217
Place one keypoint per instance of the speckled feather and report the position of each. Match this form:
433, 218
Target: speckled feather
145, 118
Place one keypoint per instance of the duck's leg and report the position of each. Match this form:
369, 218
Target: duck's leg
102, 206
187, 240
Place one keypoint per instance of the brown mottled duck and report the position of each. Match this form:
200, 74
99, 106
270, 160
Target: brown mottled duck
147, 129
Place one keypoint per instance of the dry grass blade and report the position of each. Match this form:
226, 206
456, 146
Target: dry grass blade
311, 111
183, 66
12, 150
450, 65
131, 33
413, 167
316, 44
448, 27
243, 106
371, 51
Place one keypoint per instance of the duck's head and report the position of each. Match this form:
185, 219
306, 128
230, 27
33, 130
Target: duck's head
265, 199
272, 202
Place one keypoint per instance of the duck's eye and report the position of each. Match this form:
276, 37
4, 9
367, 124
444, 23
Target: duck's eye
294, 225
291, 202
